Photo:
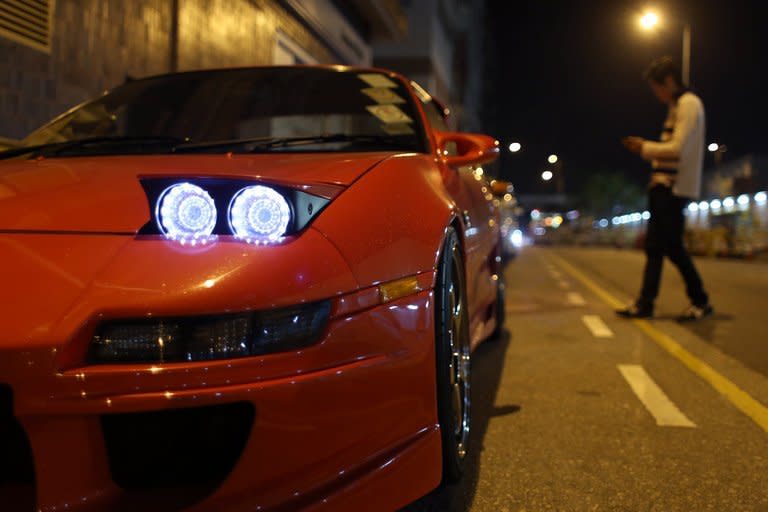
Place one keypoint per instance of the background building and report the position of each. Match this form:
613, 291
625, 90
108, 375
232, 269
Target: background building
745, 175
444, 53
57, 53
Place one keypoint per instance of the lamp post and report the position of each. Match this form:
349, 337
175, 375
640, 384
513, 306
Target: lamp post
717, 151
555, 171
650, 20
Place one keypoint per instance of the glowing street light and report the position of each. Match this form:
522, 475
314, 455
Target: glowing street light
552, 159
546, 175
649, 20
717, 151
515, 147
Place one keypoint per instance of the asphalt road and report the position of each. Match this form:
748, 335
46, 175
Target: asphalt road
575, 409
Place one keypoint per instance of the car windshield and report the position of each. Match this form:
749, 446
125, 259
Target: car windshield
308, 109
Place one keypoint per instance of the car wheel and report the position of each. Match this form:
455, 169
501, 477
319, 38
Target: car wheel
453, 358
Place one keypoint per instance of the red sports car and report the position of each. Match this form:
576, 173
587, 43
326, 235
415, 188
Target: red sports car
245, 289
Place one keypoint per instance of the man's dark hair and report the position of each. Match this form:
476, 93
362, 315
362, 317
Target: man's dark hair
661, 68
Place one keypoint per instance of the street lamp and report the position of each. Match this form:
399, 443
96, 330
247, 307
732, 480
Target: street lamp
515, 147
717, 151
546, 175
552, 159
650, 20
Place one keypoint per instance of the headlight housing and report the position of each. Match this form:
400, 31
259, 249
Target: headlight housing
185, 212
258, 213
204, 338
198, 210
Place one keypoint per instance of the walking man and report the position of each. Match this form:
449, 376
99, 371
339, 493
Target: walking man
676, 163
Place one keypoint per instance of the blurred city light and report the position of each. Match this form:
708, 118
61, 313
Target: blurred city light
535, 214
552, 159
713, 147
728, 202
715, 204
515, 147
703, 205
761, 197
743, 200
693, 207
546, 175
646, 215
603, 223
649, 20
616, 221
517, 238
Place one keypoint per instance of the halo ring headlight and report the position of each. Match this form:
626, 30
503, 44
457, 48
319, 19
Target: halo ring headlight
186, 212
259, 214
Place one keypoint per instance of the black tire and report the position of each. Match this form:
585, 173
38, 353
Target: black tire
452, 351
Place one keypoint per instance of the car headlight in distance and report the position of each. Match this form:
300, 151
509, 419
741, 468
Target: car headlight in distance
259, 214
206, 338
516, 237
186, 212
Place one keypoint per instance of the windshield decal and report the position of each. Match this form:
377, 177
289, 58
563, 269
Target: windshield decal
383, 95
389, 114
377, 80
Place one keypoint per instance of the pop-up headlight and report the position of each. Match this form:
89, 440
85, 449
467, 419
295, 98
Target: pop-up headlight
196, 210
259, 214
186, 212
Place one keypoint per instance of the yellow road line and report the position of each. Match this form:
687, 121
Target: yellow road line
738, 397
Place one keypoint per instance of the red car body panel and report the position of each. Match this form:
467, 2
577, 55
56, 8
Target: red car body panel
347, 424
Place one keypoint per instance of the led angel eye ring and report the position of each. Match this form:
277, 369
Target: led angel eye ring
186, 212
259, 214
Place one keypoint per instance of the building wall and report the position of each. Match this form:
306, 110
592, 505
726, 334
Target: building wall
95, 44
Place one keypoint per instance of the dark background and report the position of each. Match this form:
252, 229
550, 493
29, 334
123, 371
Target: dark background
565, 77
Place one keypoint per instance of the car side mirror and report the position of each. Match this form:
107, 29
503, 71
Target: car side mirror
471, 148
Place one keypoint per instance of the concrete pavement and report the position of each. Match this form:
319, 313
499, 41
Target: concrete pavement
575, 409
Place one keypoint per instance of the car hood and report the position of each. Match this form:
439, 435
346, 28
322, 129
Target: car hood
103, 194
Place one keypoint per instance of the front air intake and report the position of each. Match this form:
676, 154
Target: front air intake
17, 472
190, 449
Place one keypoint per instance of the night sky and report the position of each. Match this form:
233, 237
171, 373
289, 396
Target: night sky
566, 78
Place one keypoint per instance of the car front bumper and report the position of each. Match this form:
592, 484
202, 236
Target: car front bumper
328, 426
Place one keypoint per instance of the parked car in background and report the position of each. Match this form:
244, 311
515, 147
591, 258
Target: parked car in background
512, 237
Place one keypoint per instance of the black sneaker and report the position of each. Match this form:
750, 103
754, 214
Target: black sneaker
694, 313
635, 311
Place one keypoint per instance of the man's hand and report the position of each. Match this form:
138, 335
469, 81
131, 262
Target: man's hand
634, 144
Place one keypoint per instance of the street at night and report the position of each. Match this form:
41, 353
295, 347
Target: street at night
557, 425
383, 255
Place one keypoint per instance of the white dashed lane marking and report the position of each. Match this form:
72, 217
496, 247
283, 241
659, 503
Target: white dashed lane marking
653, 398
575, 299
596, 326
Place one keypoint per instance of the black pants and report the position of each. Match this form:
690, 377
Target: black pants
665, 237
